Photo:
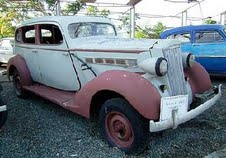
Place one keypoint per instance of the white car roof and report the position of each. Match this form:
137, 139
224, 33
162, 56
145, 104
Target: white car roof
65, 20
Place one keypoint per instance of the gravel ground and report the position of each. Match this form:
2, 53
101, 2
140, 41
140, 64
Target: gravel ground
38, 128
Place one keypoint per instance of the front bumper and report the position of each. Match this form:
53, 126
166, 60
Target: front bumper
3, 108
177, 120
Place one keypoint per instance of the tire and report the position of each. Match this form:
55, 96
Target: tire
123, 127
20, 92
3, 115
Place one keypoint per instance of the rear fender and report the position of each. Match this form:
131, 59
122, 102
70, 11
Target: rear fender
18, 63
138, 91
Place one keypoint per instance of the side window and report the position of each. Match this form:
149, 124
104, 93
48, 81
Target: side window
28, 34
184, 37
170, 37
50, 34
207, 36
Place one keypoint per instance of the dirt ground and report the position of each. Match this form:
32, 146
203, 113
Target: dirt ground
38, 128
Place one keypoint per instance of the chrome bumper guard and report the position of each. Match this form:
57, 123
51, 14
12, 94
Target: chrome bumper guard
177, 120
3, 108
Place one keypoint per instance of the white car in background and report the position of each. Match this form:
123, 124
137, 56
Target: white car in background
6, 49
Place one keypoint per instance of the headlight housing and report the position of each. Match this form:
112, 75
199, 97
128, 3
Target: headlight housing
188, 59
155, 66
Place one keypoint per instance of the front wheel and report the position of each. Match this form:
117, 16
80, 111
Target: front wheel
20, 92
123, 126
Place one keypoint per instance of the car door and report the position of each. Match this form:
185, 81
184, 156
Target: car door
25, 45
210, 50
55, 62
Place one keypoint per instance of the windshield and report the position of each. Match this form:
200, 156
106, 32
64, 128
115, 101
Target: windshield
91, 29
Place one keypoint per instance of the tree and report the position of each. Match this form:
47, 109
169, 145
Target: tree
6, 28
210, 21
94, 11
73, 8
104, 13
150, 32
125, 22
13, 12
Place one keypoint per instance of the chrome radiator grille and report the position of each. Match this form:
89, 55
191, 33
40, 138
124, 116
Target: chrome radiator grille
175, 72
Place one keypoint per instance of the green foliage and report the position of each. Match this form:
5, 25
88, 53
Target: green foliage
140, 33
146, 32
104, 13
150, 32
14, 12
125, 20
210, 21
6, 28
73, 8
94, 11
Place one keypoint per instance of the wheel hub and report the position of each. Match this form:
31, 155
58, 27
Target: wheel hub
119, 129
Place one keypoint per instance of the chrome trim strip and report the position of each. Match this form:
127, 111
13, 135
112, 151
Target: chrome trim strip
85, 50
210, 56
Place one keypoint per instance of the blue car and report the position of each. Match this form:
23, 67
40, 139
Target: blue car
206, 42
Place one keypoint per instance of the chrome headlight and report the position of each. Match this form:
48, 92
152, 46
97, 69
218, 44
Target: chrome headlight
188, 59
155, 66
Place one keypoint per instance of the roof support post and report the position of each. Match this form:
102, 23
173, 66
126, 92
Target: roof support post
58, 9
223, 18
184, 16
132, 22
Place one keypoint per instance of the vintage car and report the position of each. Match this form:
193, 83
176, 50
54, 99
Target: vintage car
206, 42
3, 110
134, 86
6, 49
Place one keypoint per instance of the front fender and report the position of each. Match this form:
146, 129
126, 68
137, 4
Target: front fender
198, 78
138, 91
17, 62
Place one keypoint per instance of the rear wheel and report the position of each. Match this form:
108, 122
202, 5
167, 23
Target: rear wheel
123, 126
20, 92
3, 115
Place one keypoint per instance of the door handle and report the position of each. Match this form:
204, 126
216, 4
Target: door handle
195, 45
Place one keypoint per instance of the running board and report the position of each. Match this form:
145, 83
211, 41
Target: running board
60, 97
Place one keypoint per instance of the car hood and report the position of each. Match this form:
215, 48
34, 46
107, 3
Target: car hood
116, 43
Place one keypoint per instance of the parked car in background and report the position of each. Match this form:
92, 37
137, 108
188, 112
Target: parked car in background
6, 49
3, 110
134, 86
206, 42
